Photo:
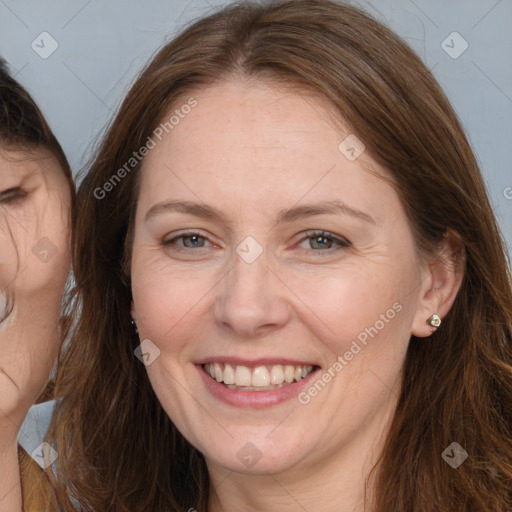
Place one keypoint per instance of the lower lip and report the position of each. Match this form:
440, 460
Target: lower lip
254, 399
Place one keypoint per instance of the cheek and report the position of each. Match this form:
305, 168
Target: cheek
168, 301
56, 228
58, 211
8, 255
48, 237
341, 306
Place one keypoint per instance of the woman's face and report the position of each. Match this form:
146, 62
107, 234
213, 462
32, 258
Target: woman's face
265, 254
34, 264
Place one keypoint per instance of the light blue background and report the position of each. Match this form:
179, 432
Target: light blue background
102, 45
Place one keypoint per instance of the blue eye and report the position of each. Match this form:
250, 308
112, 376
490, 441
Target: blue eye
319, 242
324, 241
191, 240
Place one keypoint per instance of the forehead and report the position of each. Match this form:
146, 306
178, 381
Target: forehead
258, 115
30, 158
244, 137
37, 163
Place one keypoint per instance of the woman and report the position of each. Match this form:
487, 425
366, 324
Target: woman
287, 209
36, 192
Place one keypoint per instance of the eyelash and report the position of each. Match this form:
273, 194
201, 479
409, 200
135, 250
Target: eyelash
342, 243
12, 195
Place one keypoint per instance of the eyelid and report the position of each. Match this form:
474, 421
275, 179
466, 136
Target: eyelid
343, 242
12, 194
184, 234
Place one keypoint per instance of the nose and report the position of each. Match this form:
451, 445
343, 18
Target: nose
252, 299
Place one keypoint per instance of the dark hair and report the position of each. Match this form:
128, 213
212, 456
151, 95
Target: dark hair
22, 125
118, 449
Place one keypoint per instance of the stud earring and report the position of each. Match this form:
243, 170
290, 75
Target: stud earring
135, 326
434, 321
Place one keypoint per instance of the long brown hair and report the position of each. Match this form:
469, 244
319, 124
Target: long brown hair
118, 449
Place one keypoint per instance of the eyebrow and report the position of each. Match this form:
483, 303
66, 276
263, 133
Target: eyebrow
208, 212
202, 211
327, 207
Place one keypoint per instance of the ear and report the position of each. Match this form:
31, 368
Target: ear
133, 313
441, 282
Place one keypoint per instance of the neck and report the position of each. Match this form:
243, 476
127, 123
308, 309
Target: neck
10, 482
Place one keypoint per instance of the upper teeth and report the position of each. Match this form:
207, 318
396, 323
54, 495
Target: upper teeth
257, 376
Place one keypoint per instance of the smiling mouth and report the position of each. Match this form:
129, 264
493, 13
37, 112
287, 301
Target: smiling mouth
256, 378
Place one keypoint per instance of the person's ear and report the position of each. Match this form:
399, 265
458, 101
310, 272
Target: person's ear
133, 312
441, 282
